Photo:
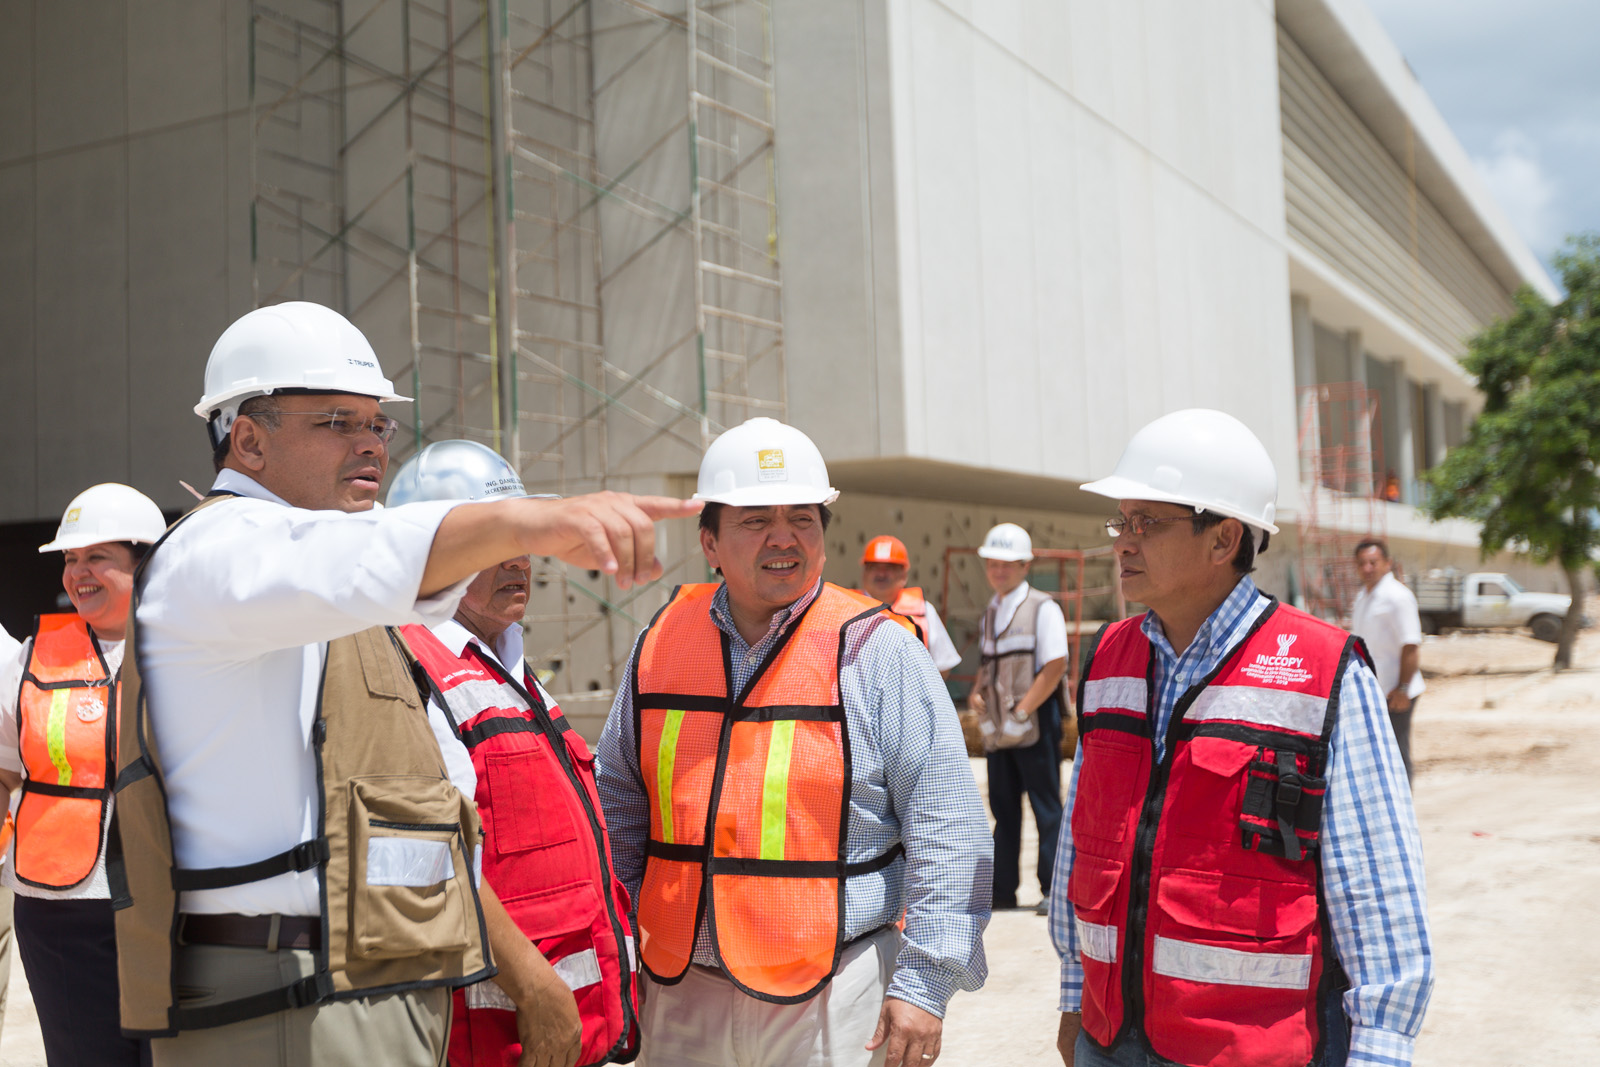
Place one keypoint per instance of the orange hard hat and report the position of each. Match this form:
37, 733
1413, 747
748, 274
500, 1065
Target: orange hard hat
886, 549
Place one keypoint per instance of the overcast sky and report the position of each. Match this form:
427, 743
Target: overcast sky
1519, 82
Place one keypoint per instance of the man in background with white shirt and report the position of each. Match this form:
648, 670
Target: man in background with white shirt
1019, 698
1385, 617
296, 870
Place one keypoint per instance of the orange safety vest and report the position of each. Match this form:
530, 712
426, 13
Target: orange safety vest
69, 745
911, 605
749, 797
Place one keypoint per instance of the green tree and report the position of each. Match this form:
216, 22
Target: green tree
1527, 469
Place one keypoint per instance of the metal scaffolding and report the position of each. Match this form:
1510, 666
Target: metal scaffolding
560, 215
1340, 460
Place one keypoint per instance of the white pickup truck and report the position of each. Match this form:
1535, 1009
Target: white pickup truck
1448, 599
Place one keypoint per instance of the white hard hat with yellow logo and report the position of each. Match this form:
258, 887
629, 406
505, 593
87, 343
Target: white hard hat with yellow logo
764, 463
109, 511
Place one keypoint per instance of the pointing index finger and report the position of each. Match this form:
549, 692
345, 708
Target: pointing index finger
667, 507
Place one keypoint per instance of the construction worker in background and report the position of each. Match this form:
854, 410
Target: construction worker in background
8, 654
885, 565
58, 745
546, 853
1019, 699
778, 736
297, 867
1385, 617
1240, 881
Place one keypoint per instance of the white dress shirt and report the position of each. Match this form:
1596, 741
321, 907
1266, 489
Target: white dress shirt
940, 647
1050, 630
1385, 617
94, 887
233, 622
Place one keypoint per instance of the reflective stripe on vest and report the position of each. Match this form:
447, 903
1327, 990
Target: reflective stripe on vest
1195, 881
548, 856
68, 743
749, 796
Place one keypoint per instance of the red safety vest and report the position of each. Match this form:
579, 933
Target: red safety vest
1195, 881
547, 856
749, 797
67, 715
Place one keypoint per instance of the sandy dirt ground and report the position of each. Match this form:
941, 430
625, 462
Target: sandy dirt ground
1509, 809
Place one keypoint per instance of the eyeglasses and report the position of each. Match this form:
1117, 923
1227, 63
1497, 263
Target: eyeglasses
349, 426
1138, 524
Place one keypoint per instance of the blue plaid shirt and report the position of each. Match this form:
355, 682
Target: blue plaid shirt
911, 783
1371, 855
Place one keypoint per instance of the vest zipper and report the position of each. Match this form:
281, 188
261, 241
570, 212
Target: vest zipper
559, 745
1139, 878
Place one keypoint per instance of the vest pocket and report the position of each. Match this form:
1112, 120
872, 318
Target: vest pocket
408, 868
1110, 787
517, 820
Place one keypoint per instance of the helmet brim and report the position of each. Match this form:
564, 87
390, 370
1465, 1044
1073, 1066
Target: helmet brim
770, 496
209, 405
1119, 488
1003, 556
61, 544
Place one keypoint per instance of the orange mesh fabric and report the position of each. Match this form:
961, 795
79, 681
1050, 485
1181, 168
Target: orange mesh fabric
67, 738
782, 793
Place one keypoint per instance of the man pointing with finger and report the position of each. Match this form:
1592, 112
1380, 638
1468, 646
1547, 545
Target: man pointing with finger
783, 776
294, 873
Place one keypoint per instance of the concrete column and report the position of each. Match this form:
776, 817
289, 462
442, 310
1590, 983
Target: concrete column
1404, 464
1433, 400
1355, 357
1304, 339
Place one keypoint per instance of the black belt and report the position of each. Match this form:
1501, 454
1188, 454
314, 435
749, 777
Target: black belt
271, 932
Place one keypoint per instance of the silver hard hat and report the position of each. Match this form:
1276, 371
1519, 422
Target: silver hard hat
455, 470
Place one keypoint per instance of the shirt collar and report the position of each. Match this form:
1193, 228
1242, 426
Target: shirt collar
1217, 634
722, 611
1013, 599
507, 650
232, 481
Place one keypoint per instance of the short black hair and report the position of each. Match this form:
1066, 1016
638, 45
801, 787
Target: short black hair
1244, 560
711, 517
1372, 542
264, 409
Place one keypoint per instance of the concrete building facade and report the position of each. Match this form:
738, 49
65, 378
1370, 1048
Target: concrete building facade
1010, 233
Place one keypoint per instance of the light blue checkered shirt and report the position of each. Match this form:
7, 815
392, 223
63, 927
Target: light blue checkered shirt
1371, 855
910, 783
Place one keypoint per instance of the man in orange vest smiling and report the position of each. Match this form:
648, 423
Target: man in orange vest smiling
783, 774
885, 566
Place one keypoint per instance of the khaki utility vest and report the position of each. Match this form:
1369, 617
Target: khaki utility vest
395, 848
1005, 672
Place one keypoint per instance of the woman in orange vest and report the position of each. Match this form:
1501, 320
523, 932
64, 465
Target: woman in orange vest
58, 727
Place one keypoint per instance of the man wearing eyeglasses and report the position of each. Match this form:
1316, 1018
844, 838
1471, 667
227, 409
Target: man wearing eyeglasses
1239, 880
295, 874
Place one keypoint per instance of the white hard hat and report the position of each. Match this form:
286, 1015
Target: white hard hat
455, 470
294, 345
1206, 459
1008, 542
108, 512
764, 463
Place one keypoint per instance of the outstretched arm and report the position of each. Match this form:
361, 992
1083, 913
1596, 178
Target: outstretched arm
610, 532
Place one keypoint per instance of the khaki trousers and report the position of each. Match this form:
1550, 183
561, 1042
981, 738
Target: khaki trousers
396, 1030
703, 1021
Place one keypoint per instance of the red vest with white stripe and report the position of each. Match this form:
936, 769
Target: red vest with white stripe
1195, 881
547, 856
